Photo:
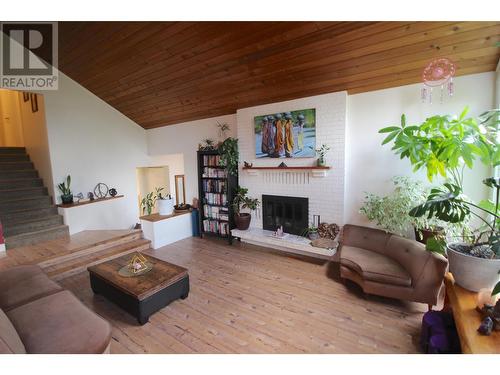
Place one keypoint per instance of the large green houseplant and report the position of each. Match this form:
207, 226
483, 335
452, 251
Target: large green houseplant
444, 146
242, 201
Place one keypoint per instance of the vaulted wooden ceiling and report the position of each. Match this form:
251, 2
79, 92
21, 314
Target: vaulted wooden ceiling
162, 73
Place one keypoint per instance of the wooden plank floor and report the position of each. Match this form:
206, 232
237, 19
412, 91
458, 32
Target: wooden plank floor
245, 299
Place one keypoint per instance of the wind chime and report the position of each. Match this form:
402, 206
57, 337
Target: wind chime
438, 73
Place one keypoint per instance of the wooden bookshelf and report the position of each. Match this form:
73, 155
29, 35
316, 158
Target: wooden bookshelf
216, 190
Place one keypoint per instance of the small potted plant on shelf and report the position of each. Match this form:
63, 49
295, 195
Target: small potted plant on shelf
321, 152
242, 201
64, 188
445, 145
165, 203
149, 201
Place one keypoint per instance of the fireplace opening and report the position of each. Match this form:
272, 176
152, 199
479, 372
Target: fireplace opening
290, 212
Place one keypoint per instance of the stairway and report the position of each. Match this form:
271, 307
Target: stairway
76, 261
27, 212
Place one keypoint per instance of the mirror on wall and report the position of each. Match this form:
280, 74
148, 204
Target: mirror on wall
180, 189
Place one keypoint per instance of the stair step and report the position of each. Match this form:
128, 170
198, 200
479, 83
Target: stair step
92, 248
17, 174
74, 266
14, 157
12, 150
24, 204
38, 236
19, 193
15, 165
13, 229
27, 214
20, 183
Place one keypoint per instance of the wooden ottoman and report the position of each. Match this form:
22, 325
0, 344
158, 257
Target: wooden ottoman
141, 295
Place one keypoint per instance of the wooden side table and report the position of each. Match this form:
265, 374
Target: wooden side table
463, 305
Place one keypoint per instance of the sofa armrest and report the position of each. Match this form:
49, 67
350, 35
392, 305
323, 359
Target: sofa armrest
428, 285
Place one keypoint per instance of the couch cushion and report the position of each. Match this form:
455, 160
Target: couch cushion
23, 284
10, 342
374, 266
365, 238
60, 323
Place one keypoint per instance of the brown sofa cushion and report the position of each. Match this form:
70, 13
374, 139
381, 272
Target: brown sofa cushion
374, 266
23, 284
60, 323
365, 238
10, 342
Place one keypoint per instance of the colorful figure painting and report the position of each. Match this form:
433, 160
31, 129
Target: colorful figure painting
286, 134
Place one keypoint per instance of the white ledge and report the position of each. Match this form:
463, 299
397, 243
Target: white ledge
290, 243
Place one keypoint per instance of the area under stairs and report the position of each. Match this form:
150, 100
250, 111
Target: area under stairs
27, 212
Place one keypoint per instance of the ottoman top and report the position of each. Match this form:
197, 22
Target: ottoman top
143, 286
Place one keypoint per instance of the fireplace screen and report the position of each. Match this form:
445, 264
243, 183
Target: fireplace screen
290, 212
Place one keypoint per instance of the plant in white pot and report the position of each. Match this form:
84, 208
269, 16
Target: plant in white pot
444, 146
165, 203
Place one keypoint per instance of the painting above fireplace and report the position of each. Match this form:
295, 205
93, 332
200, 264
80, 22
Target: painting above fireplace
290, 212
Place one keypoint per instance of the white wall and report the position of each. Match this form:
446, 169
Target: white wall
184, 139
325, 194
370, 166
36, 139
93, 142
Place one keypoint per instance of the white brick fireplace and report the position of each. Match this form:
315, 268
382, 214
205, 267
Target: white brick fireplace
325, 193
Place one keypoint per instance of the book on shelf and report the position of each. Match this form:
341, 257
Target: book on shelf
214, 186
214, 226
214, 173
216, 213
212, 161
219, 199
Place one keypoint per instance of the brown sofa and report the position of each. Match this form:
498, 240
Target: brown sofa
38, 316
391, 266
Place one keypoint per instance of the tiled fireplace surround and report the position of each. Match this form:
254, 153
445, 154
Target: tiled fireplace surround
326, 194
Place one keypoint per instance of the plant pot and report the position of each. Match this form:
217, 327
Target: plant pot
165, 206
242, 221
422, 235
321, 162
67, 198
313, 235
471, 272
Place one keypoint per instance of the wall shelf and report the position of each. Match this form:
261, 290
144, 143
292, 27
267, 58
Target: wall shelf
315, 170
70, 205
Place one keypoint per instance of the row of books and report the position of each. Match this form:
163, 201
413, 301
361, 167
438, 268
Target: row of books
211, 160
214, 172
216, 198
216, 227
214, 186
217, 213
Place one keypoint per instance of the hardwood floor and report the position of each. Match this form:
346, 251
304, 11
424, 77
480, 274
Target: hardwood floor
245, 299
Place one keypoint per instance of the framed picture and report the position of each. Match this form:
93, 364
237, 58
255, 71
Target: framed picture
34, 103
286, 134
26, 96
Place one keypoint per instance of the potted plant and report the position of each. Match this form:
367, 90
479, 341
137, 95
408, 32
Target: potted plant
241, 201
165, 204
228, 150
444, 146
64, 188
321, 152
149, 201
390, 212
311, 232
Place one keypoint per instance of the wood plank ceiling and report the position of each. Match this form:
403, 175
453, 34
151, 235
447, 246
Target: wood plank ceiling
162, 73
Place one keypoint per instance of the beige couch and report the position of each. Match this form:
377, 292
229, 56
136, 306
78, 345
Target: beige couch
391, 266
38, 316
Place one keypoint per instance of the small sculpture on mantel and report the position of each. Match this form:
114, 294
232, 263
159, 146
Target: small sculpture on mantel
113, 192
90, 195
282, 165
247, 164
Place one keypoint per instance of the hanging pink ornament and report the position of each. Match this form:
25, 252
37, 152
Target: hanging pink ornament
439, 72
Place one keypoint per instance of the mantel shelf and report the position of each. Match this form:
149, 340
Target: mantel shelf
315, 170
97, 200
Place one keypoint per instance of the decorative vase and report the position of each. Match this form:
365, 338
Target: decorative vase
321, 162
242, 220
471, 272
67, 198
313, 236
113, 192
165, 206
422, 235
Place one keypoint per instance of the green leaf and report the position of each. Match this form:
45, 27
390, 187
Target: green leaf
390, 137
496, 289
436, 245
389, 129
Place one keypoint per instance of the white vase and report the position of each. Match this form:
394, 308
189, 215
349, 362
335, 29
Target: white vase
473, 273
165, 206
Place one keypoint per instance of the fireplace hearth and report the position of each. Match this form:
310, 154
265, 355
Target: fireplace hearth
290, 212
